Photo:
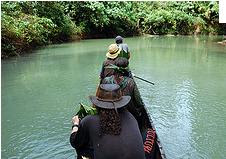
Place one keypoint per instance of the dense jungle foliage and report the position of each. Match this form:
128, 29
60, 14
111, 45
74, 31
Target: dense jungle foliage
25, 25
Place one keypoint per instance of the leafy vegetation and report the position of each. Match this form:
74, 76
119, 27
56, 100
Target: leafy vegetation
26, 25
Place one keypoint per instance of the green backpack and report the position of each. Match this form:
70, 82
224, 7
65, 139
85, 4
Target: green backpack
123, 54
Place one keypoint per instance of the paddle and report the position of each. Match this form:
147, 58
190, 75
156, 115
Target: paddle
142, 79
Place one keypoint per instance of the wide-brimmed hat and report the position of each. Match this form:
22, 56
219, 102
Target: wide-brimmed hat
113, 51
109, 96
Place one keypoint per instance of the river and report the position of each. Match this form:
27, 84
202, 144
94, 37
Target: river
187, 103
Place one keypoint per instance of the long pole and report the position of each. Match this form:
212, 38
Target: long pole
143, 79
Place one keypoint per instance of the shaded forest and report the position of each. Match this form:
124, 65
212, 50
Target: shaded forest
27, 25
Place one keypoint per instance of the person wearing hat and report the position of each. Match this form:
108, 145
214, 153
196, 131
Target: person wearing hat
129, 88
124, 47
136, 106
112, 54
113, 132
112, 57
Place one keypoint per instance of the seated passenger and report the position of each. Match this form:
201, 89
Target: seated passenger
113, 132
124, 47
129, 87
112, 54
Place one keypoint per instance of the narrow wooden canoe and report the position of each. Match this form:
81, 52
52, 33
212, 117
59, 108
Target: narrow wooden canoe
152, 145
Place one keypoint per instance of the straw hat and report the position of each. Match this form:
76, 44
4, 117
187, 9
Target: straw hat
109, 96
113, 51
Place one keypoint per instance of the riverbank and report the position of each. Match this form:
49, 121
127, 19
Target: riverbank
28, 25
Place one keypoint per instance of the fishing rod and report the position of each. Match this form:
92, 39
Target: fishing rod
143, 79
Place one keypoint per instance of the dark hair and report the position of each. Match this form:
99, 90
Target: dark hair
118, 40
110, 122
123, 63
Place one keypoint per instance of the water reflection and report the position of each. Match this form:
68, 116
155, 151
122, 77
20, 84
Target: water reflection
183, 129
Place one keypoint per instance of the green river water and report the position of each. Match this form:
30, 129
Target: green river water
187, 103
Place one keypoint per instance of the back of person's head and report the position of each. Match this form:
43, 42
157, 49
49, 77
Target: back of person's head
118, 40
108, 101
123, 64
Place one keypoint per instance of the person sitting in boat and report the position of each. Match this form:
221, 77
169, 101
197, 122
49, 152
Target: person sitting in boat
112, 57
112, 54
124, 47
136, 106
129, 87
113, 132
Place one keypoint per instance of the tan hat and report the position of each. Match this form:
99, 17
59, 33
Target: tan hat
113, 51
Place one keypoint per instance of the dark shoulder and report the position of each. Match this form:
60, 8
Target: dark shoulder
128, 115
89, 119
109, 61
130, 81
129, 120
